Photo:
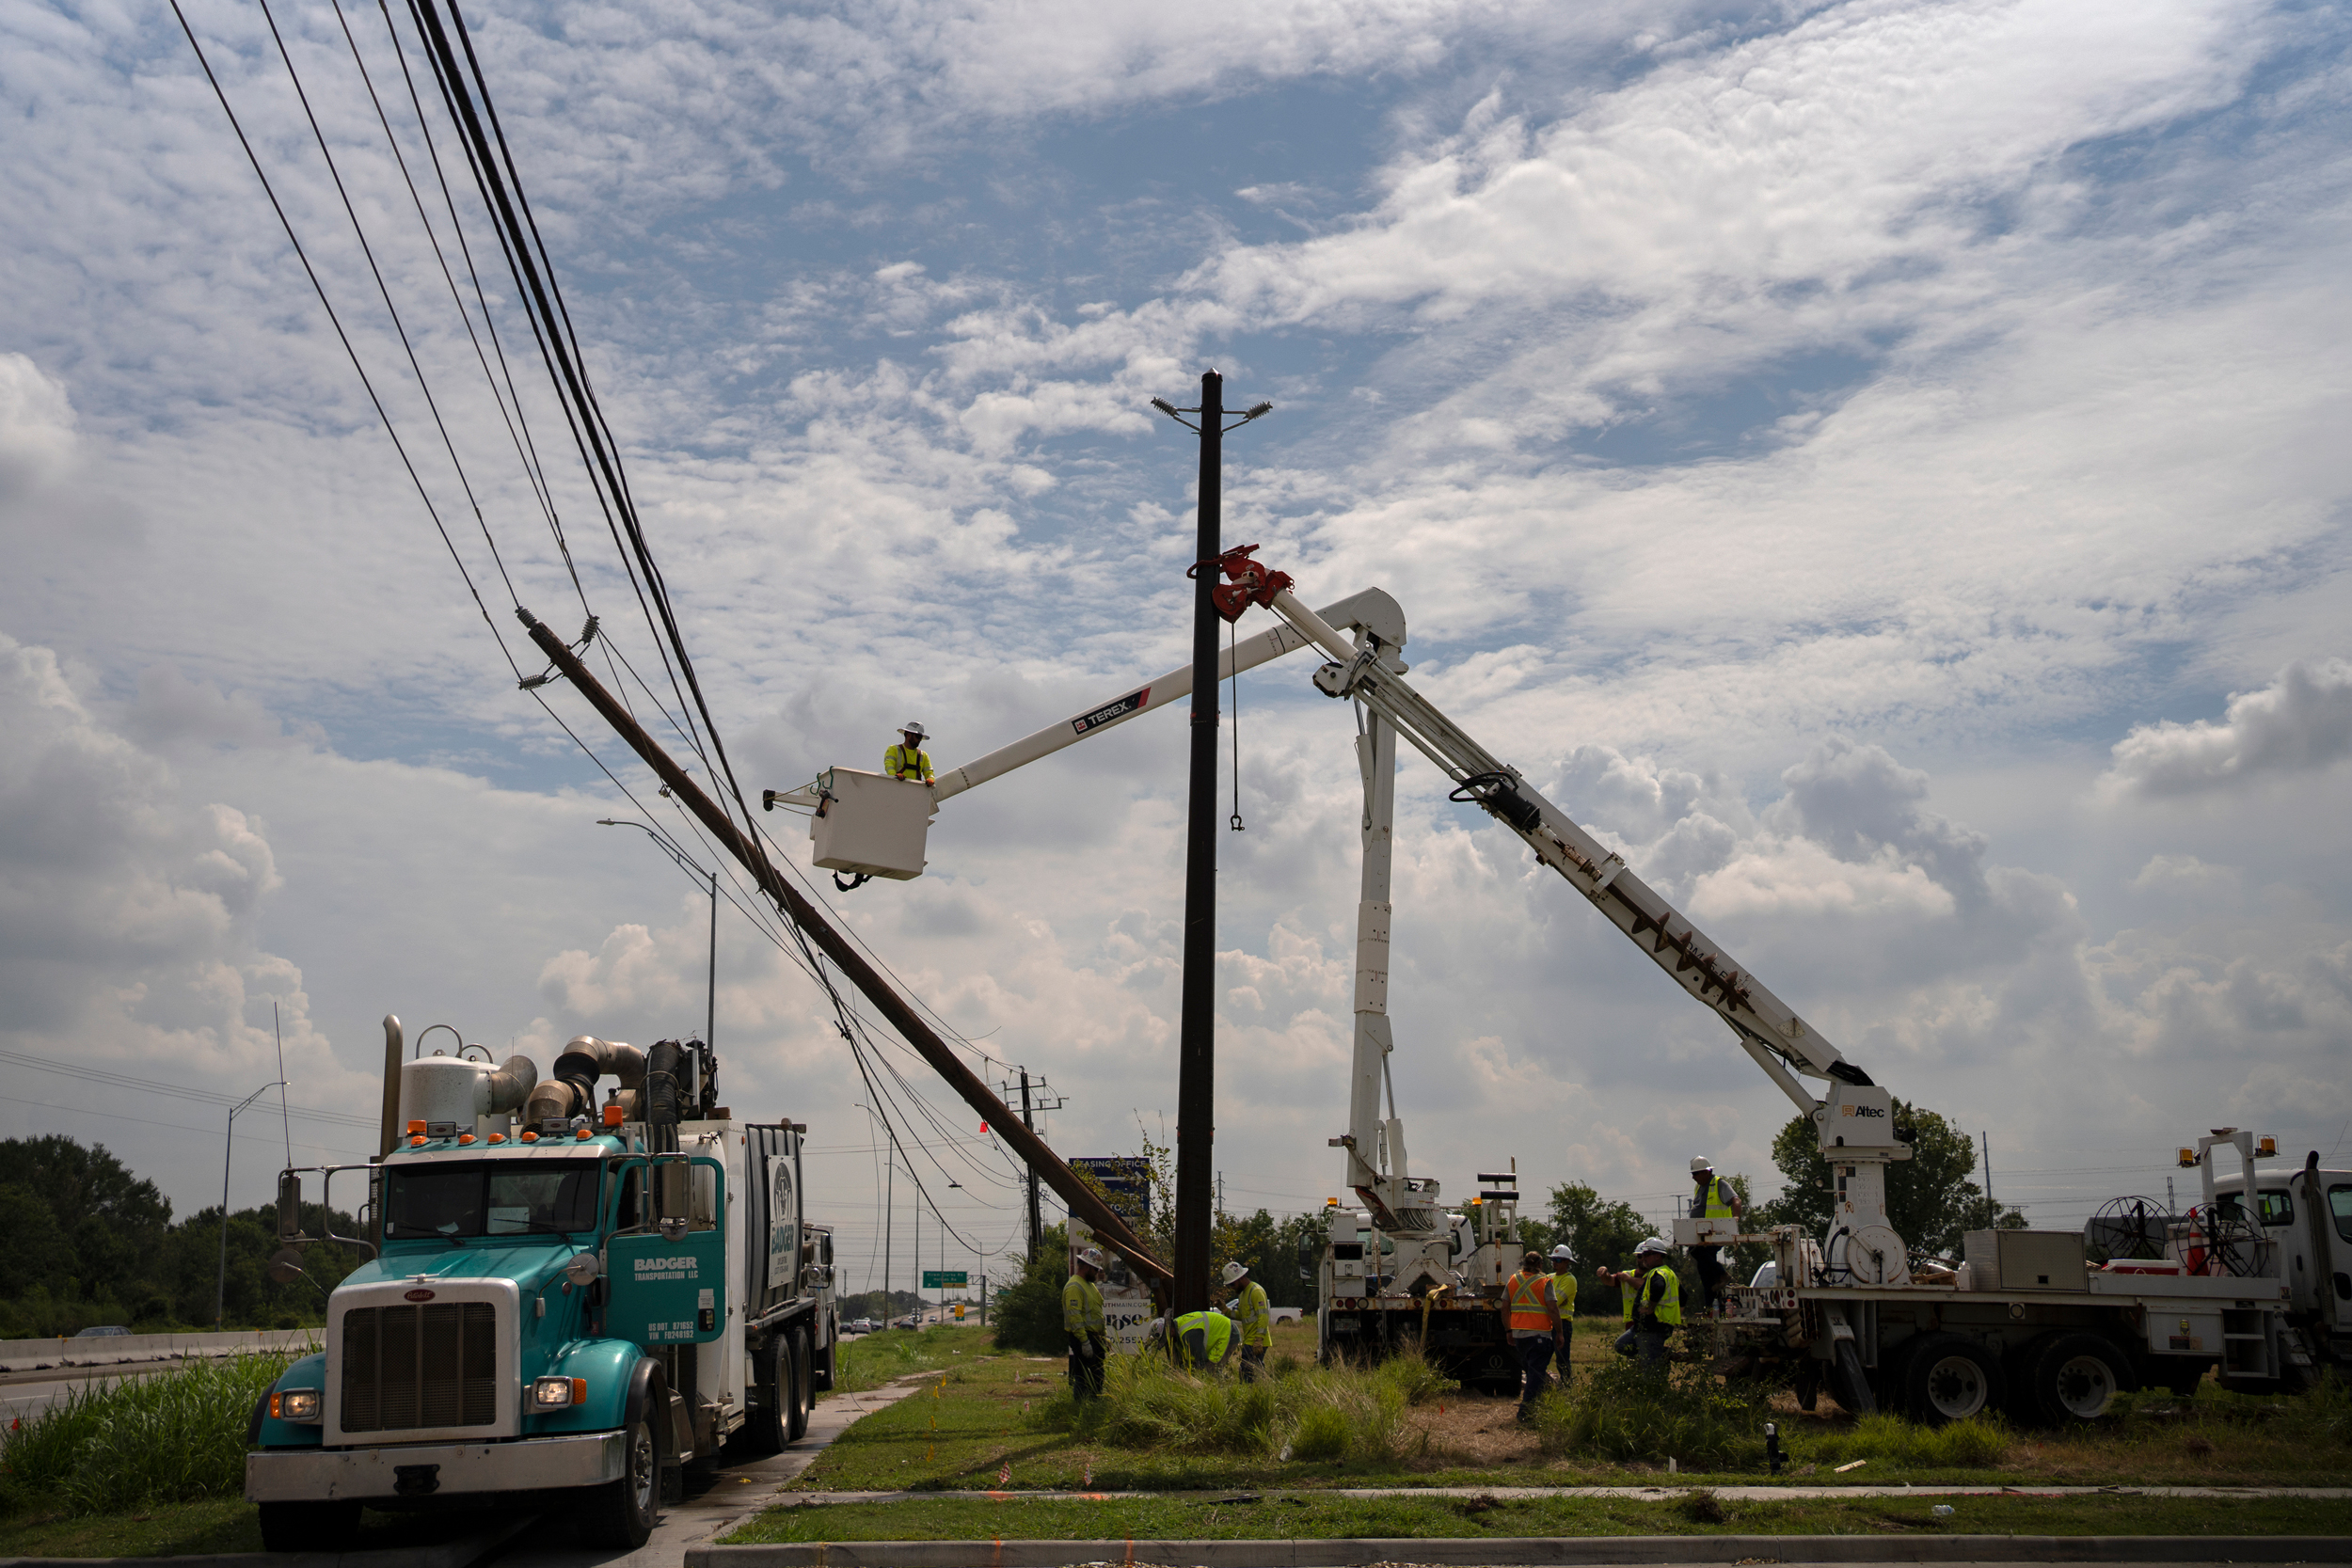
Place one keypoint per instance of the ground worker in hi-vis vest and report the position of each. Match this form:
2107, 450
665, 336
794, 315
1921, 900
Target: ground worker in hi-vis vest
1082, 1323
1715, 1199
1527, 1303
1653, 1303
1256, 1319
908, 760
1564, 1305
1198, 1341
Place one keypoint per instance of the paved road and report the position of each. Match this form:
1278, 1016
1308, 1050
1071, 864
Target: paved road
24, 1395
740, 1489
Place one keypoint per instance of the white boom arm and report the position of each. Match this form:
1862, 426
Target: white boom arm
1854, 1120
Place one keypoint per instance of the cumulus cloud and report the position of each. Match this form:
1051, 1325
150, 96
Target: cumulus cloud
2300, 722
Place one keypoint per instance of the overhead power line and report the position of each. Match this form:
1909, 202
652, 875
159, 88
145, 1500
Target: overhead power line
177, 1091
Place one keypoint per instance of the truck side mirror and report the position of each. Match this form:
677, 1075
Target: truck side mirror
289, 1207
673, 1196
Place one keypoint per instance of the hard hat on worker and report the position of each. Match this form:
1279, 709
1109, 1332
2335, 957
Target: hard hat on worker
1701, 1164
914, 728
1091, 1257
1652, 1243
1564, 1253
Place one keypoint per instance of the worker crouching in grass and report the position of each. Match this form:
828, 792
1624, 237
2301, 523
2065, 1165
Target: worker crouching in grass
1653, 1303
1196, 1341
1528, 1301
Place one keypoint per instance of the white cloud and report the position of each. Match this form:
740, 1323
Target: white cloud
2300, 722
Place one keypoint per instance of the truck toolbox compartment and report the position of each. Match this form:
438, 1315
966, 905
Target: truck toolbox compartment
531, 1464
2025, 1260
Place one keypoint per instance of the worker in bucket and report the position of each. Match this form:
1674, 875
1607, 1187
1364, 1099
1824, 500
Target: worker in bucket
1196, 1341
1527, 1300
1082, 1323
908, 760
1256, 1317
1653, 1302
1562, 1305
1715, 1199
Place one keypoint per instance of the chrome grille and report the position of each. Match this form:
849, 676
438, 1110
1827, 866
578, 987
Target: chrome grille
418, 1367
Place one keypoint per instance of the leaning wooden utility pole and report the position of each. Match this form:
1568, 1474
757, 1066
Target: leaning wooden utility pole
1083, 1200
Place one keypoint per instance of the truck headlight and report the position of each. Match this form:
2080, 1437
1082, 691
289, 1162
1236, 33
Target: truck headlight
295, 1404
554, 1393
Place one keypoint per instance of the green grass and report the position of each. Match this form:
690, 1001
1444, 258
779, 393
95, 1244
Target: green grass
1306, 1515
1295, 1412
110, 1447
874, 1359
213, 1525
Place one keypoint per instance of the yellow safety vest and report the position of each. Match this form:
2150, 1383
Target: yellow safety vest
900, 763
1717, 1204
1081, 1306
1257, 1318
1530, 1299
1564, 1293
1669, 1309
1216, 1333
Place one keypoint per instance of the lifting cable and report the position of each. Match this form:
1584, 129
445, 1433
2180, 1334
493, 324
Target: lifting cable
1232, 663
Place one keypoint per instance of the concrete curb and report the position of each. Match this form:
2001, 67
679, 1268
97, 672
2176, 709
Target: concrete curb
462, 1553
1532, 1552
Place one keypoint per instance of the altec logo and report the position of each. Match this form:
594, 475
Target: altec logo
1860, 1110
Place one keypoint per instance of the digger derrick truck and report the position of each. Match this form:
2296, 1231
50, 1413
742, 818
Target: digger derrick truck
2025, 1323
568, 1299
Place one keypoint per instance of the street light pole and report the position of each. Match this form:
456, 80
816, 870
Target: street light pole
687, 864
1196, 1049
220, 1295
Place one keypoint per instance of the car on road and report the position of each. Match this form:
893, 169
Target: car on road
104, 1331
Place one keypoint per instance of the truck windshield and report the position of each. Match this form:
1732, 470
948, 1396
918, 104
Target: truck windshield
524, 1197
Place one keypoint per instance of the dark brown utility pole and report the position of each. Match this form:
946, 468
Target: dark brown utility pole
1082, 1200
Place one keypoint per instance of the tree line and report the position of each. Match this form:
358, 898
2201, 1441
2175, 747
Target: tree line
89, 1242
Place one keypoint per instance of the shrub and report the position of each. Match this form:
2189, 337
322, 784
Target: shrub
1321, 1434
1149, 1404
174, 1438
1627, 1412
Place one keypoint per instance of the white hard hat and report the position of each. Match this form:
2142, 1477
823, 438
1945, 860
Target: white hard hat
1236, 1270
1565, 1252
1091, 1257
914, 728
1700, 1162
1654, 1244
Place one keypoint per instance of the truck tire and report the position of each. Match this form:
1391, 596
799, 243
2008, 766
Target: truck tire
1949, 1377
1849, 1385
763, 1430
804, 1391
308, 1527
622, 1512
2073, 1378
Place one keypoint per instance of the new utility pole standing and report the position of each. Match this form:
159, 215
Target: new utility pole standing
1196, 1051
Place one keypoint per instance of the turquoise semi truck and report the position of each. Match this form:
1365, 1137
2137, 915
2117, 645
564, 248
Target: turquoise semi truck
579, 1285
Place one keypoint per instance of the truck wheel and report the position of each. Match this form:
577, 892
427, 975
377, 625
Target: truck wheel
1950, 1378
2075, 1378
1808, 1384
804, 1393
1849, 1385
622, 1512
309, 1527
763, 1428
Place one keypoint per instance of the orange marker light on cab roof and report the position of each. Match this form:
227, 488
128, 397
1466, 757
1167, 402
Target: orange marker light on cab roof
530, 1137
417, 1141
498, 1137
613, 1115
464, 1137
417, 1125
580, 1134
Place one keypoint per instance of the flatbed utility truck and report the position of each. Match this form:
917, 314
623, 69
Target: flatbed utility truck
568, 1299
2026, 1322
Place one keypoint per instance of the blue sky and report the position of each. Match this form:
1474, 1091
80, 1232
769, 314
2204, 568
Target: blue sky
1880, 463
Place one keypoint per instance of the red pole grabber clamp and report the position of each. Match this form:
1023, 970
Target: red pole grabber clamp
1247, 581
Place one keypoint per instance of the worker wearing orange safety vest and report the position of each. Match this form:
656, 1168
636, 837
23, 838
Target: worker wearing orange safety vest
1528, 1307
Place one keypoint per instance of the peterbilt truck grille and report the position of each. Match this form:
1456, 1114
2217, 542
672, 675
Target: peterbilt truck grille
410, 1368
